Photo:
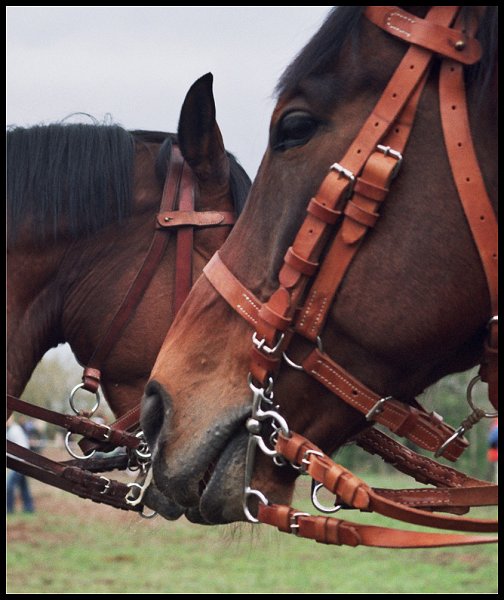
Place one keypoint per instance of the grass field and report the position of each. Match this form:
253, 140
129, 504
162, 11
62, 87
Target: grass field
76, 546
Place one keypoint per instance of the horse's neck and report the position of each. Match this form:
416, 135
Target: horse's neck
33, 311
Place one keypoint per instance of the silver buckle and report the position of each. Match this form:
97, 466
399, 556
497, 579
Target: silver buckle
377, 408
261, 344
388, 151
346, 173
294, 525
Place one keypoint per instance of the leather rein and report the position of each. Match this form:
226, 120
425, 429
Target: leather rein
177, 213
350, 196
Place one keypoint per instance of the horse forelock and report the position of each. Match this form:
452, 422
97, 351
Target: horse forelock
318, 56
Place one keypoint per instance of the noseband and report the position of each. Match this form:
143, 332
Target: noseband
177, 213
350, 196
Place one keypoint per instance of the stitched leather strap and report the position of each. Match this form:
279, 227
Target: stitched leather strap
327, 530
426, 430
232, 290
474, 199
362, 210
357, 494
448, 42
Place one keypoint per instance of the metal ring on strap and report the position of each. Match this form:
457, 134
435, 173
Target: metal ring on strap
71, 400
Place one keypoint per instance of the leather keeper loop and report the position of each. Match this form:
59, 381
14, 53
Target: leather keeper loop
262, 366
271, 317
277, 515
299, 263
91, 379
360, 215
336, 531
323, 213
369, 190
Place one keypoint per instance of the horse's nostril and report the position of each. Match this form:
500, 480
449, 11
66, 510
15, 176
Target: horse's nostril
155, 405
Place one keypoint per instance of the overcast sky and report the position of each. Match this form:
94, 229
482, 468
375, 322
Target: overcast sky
136, 64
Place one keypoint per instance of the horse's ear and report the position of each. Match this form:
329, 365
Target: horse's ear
199, 135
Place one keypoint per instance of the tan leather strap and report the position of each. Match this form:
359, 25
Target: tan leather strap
327, 530
232, 290
361, 213
193, 218
450, 43
355, 493
426, 430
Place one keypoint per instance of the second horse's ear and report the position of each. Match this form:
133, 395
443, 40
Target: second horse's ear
199, 136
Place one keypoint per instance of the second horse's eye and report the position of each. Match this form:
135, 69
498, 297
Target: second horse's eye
294, 129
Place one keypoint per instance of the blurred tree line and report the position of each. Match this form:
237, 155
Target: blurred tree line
58, 373
51, 385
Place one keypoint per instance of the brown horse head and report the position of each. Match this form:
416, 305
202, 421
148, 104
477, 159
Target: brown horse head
82, 206
412, 306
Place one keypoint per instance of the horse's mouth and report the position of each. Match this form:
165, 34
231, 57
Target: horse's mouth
221, 488
207, 487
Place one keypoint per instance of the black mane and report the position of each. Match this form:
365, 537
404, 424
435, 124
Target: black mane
75, 173
318, 56
81, 176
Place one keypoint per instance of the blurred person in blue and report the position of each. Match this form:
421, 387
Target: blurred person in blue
493, 447
17, 481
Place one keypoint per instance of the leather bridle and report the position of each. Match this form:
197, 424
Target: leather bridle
350, 196
177, 213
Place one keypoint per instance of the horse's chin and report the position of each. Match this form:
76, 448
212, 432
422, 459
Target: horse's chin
221, 498
163, 506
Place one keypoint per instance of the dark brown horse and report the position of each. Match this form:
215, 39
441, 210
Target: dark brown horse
82, 206
412, 307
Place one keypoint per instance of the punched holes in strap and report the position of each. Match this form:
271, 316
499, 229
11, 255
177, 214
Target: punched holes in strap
323, 212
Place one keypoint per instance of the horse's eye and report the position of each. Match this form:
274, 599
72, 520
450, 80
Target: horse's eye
294, 129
